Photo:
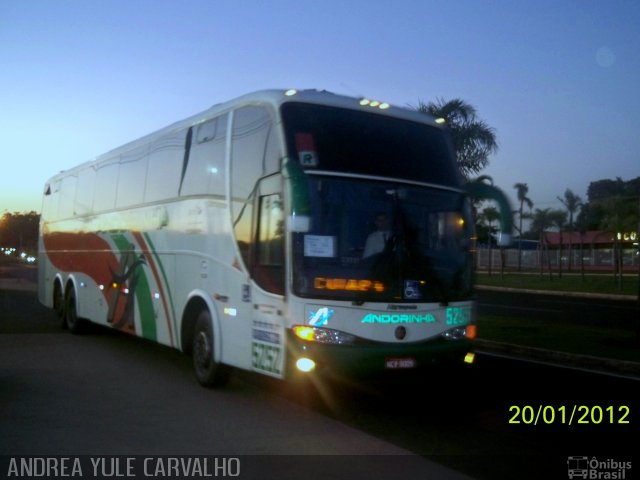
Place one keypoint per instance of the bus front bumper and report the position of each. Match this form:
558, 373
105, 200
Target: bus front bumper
373, 359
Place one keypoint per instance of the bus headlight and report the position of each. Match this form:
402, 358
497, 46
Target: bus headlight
305, 364
467, 331
323, 335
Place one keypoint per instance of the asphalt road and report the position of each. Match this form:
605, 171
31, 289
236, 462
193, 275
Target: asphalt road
105, 393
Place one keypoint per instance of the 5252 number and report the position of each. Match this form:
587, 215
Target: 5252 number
266, 357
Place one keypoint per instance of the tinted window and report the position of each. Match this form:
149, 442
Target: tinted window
271, 231
269, 268
165, 167
67, 196
383, 241
205, 170
51, 201
84, 192
251, 127
132, 179
104, 195
349, 141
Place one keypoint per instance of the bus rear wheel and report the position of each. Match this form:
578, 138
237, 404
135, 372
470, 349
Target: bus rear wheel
73, 323
58, 304
209, 373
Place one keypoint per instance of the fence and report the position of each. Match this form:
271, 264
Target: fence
598, 259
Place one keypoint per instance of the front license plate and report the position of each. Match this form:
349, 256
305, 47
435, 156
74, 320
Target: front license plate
400, 363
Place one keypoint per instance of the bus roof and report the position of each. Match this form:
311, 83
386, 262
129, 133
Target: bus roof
273, 97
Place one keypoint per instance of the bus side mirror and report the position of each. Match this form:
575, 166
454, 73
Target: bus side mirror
481, 190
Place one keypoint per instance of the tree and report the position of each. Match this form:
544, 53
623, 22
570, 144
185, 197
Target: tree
522, 190
620, 216
473, 139
592, 213
559, 219
572, 203
541, 220
490, 215
603, 189
20, 230
582, 228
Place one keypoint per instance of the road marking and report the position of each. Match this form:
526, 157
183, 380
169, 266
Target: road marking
549, 363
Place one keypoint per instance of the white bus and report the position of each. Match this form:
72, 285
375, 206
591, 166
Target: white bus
240, 236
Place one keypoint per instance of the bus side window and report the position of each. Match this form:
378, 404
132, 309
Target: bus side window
104, 194
132, 177
251, 127
205, 170
165, 167
67, 196
268, 271
84, 192
51, 202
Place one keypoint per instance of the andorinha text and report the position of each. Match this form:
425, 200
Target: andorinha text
54, 467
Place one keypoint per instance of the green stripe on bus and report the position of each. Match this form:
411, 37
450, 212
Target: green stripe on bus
166, 283
142, 293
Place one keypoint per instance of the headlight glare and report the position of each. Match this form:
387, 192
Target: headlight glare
323, 335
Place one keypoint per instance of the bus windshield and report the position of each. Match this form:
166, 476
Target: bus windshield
383, 241
361, 142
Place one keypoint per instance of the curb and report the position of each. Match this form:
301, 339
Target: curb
586, 362
604, 296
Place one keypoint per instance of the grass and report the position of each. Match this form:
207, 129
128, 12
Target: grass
596, 341
569, 282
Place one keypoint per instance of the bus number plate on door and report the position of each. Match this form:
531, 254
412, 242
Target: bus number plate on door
266, 357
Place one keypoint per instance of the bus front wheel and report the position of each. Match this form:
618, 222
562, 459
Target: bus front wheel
209, 373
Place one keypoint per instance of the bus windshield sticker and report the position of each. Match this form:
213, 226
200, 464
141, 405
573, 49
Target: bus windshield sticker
307, 153
319, 246
412, 290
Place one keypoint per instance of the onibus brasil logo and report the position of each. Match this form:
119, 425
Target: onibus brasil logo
584, 467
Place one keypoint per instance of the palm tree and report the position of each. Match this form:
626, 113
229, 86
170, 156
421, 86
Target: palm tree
473, 139
572, 203
619, 217
522, 190
559, 219
490, 215
582, 228
540, 222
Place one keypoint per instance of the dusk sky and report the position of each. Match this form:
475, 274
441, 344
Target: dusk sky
558, 80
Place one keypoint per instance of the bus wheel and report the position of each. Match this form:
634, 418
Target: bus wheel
58, 303
73, 323
209, 373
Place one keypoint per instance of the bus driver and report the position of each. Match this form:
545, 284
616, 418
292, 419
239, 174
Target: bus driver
377, 240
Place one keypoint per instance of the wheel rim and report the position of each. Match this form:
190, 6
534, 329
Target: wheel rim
202, 351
